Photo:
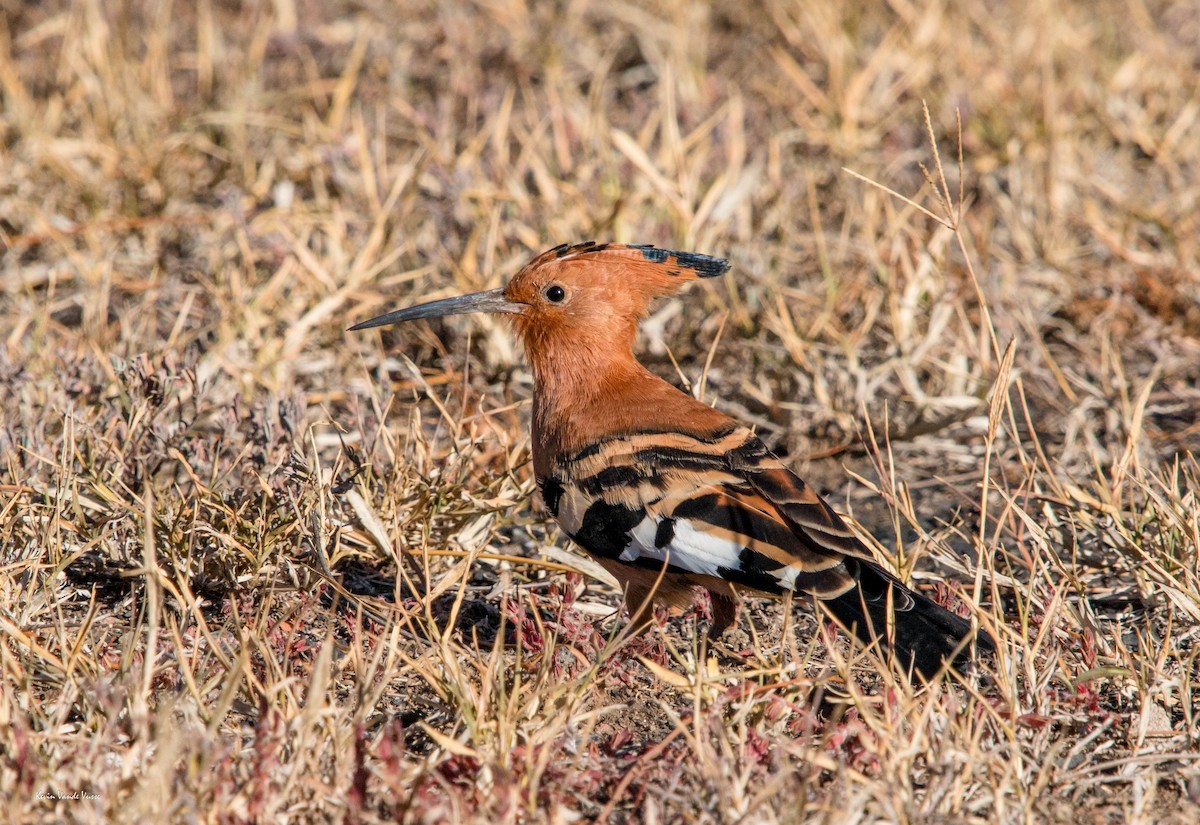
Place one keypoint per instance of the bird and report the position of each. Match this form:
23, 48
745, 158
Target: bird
668, 494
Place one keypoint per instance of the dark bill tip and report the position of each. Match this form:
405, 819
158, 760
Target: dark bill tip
491, 301
704, 266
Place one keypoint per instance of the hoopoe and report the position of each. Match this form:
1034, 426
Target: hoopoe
667, 493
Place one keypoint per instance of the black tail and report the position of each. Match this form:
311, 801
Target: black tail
921, 635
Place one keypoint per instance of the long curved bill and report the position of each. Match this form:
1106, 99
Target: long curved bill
491, 301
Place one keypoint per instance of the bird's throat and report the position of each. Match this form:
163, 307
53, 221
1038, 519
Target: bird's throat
576, 390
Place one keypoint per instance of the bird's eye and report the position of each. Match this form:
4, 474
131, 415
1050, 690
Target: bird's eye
555, 294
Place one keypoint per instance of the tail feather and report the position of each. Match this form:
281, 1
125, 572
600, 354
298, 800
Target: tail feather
921, 635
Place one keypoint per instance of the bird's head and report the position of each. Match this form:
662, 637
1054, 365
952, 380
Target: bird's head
583, 296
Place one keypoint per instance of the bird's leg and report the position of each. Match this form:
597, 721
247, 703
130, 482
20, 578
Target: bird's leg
639, 601
646, 590
724, 612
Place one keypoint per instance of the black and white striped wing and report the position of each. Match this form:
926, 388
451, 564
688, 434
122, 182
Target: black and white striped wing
721, 507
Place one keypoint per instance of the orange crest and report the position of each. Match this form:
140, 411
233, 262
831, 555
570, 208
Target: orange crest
639, 269
592, 290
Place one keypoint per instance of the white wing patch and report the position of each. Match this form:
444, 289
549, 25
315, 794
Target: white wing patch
693, 550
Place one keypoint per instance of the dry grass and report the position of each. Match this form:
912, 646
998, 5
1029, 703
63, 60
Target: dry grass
256, 569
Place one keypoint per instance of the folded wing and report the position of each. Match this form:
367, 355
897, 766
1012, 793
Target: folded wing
723, 509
